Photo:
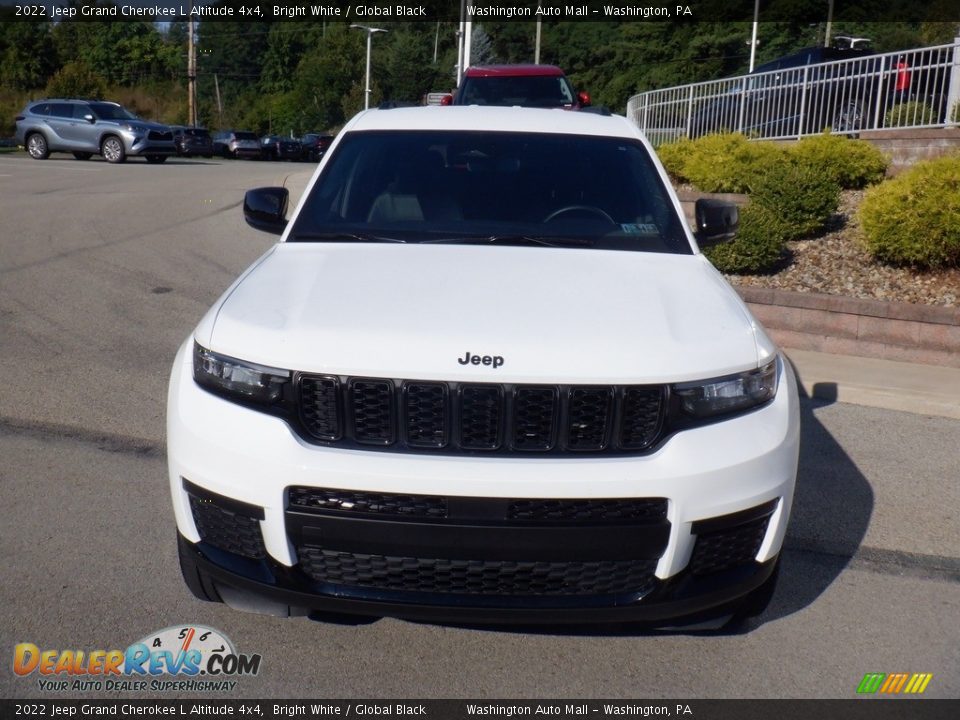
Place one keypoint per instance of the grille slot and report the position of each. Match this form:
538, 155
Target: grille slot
452, 418
226, 529
320, 407
426, 414
476, 577
589, 416
372, 403
728, 548
481, 414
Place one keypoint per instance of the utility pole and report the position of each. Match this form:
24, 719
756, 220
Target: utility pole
191, 72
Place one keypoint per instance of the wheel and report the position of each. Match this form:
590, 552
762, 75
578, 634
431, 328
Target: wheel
583, 209
849, 118
37, 146
82, 155
156, 159
112, 149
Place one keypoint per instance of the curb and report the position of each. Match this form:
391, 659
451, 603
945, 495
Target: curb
925, 334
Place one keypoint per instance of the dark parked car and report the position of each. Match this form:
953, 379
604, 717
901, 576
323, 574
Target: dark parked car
810, 90
313, 146
526, 85
236, 144
191, 141
772, 99
277, 147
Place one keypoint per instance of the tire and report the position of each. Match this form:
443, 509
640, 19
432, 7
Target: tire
83, 155
156, 159
37, 146
112, 149
849, 118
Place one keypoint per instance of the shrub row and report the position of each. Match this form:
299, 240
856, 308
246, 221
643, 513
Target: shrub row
729, 162
914, 219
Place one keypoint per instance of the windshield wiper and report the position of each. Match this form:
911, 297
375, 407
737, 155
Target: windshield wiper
347, 237
548, 241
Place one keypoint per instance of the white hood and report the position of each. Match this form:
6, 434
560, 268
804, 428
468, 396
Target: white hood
555, 316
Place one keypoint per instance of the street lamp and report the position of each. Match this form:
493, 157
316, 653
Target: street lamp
370, 31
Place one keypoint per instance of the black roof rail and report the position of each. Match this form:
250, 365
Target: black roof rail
597, 110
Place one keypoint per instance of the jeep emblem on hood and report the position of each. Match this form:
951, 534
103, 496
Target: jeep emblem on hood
468, 359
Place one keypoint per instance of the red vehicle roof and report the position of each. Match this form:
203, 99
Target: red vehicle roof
513, 71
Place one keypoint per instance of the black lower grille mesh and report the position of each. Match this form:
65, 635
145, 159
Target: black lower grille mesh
413, 415
476, 577
367, 503
574, 511
729, 548
227, 530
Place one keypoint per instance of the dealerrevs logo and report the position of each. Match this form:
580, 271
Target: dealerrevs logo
177, 658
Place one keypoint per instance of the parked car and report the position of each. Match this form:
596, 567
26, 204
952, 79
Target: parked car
191, 141
236, 144
769, 101
485, 375
526, 85
91, 127
313, 146
277, 147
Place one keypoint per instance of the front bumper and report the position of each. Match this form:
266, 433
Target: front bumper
719, 499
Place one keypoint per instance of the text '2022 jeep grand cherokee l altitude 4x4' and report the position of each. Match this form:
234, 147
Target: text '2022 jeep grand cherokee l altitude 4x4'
91, 127
485, 375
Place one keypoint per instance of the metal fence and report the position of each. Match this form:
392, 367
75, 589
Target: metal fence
915, 88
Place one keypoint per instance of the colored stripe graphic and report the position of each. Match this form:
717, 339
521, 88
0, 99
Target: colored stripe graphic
894, 683
918, 683
871, 682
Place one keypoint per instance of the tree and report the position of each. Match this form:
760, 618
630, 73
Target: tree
27, 55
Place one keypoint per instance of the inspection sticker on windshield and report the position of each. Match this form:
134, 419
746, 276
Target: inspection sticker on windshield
639, 229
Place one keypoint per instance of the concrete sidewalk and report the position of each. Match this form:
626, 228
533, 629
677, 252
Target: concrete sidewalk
915, 388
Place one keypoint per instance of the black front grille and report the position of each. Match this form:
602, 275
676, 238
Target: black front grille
409, 415
227, 529
728, 548
476, 577
160, 135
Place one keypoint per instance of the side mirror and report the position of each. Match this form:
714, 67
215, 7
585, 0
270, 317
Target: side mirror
717, 221
583, 98
89, 118
266, 209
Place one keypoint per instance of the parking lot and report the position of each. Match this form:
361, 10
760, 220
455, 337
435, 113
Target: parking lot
105, 269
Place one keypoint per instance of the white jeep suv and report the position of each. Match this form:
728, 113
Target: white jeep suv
485, 375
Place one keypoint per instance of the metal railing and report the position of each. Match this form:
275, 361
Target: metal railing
915, 88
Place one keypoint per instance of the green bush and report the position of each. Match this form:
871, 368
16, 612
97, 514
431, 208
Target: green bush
910, 113
801, 194
758, 246
914, 219
76, 79
673, 155
852, 164
721, 162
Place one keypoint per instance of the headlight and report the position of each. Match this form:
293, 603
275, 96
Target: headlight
237, 379
733, 393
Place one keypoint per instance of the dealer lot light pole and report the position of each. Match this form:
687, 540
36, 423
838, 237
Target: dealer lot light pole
370, 31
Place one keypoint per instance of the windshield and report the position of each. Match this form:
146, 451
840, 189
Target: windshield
245, 136
527, 188
106, 111
527, 91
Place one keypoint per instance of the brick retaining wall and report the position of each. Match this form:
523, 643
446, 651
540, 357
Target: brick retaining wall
850, 326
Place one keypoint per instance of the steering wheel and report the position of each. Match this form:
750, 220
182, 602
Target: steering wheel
591, 209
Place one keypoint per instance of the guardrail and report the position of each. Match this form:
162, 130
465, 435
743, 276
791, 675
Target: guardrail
914, 88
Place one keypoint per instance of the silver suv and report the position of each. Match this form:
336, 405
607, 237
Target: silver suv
91, 127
